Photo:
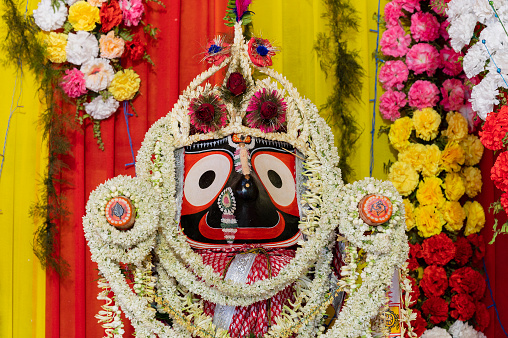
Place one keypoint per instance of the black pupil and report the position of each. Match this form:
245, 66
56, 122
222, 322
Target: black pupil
275, 179
206, 179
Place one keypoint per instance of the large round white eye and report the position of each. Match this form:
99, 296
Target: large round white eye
276, 178
206, 178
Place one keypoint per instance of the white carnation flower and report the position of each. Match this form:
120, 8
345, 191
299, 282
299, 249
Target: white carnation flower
474, 60
458, 7
100, 108
483, 10
81, 46
436, 332
495, 38
484, 96
461, 30
50, 18
461, 329
98, 74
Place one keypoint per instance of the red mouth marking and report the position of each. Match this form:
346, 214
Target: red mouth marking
243, 233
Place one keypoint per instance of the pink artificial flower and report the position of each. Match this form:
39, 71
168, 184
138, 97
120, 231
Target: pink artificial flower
451, 63
394, 42
443, 30
393, 11
424, 26
409, 5
423, 94
453, 92
266, 111
390, 103
73, 83
423, 57
393, 74
132, 10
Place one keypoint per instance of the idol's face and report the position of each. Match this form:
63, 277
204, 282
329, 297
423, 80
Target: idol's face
220, 200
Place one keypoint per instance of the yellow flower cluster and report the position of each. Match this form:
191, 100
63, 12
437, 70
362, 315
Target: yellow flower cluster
437, 198
125, 85
83, 16
55, 47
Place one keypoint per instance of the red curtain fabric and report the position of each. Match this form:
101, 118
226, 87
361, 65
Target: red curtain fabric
185, 27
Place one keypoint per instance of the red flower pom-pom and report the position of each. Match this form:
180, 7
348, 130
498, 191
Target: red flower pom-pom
463, 306
261, 52
467, 280
111, 15
434, 281
207, 113
478, 247
499, 172
437, 308
463, 251
415, 251
134, 49
266, 111
482, 317
494, 130
438, 250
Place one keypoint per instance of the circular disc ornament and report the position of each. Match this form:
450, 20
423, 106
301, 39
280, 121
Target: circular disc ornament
375, 209
120, 213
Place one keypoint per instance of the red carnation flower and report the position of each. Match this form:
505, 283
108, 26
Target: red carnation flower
499, 172
463, 251
437, 308
111, 15
418, 325
135, 50
504, 201
438, 250
478, 244
236, 84
434, 281
467, 280
495, 129
481, 317
415, 251
463, 306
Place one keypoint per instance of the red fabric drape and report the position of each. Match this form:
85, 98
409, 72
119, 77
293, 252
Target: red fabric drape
496, 254
185, 27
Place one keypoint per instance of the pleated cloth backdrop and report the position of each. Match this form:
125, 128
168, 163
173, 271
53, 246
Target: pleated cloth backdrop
185, 27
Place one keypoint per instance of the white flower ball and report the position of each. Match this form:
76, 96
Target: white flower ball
436, 332
101, 109
98, 74
81, 47
50, 18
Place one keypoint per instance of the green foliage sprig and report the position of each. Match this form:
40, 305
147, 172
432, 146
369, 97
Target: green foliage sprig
338, 60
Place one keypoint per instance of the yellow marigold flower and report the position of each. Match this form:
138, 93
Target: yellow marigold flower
414, 154
454, 186
399, 133
55, 47
475, 217
83, 16
452, 157
426, 122
429, 220
125, 85
473, 181
403, 177
457, 126
111, 47
430, 192
454, 215
410, 214
473, 149
432, 159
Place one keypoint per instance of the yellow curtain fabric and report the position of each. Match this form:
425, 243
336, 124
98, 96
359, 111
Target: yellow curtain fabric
293, 26
22, 281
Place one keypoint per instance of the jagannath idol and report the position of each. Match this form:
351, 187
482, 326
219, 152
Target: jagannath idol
238, 223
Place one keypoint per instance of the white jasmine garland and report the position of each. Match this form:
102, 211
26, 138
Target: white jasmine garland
49, 17
101, 108
98, 73
81, 47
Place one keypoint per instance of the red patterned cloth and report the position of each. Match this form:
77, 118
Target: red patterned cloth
253, 318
